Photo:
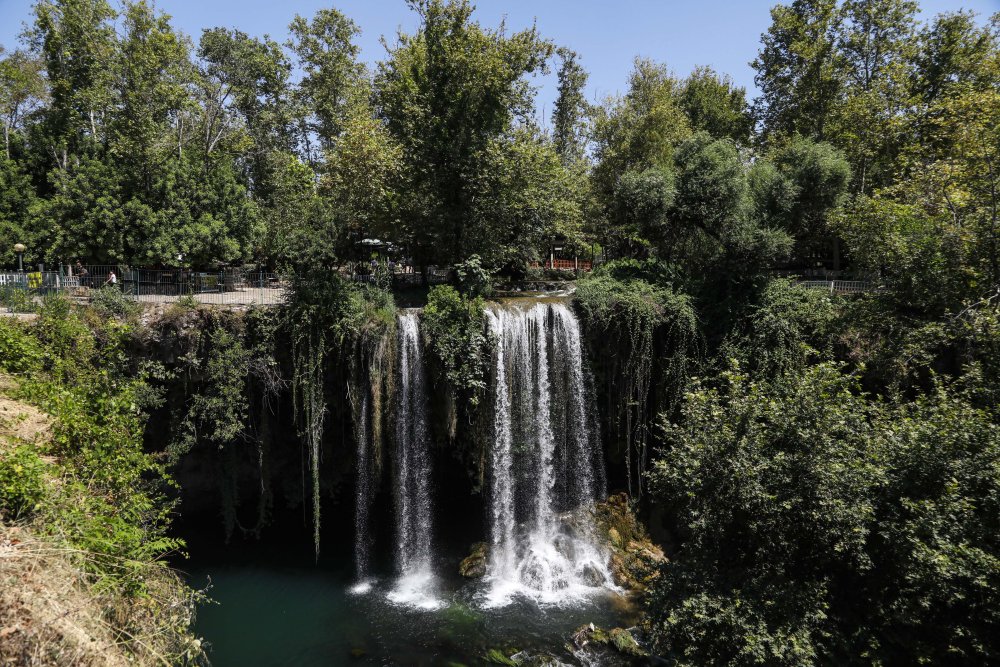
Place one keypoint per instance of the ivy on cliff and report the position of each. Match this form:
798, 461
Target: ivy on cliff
637, 327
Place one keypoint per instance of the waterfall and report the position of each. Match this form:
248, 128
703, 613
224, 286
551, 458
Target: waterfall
362, 499
413, 471
546, 464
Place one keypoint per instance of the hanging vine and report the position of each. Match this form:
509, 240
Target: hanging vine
641, 328
309, 356
327, 317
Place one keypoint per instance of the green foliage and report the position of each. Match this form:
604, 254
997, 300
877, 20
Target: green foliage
782, 329
652, 329
925, 260
324, 318
450, 94
796, 69
715, 104
473, 279
16, 299
22, 479
112, 301
20, 352
453, 323
571, 111
633, 134
817, 177
851, 529
109, 502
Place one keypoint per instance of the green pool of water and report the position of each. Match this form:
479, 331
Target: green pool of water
269, 611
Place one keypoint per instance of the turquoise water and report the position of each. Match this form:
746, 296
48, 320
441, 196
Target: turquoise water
269, 610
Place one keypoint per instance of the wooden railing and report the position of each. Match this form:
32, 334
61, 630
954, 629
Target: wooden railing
564, 264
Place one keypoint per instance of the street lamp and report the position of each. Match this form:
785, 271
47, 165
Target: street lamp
19, 248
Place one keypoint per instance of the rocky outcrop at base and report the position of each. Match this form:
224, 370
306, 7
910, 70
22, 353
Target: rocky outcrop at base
473, 566
635, 559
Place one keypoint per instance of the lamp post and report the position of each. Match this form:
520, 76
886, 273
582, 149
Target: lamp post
19, 248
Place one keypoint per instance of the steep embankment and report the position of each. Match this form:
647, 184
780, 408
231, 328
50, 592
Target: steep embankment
84, 518
48, 614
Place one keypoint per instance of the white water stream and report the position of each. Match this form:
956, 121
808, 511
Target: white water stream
546, 467
416, 583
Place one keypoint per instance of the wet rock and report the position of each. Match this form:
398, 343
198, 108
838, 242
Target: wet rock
590, 575
625, 643
525, 659
564, 545
473, 566
635, 559
616, 646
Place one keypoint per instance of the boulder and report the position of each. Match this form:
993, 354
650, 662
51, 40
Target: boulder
616, 646
591, 575
635, 559
473, 566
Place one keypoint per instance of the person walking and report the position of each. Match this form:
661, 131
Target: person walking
112, 279
82, 274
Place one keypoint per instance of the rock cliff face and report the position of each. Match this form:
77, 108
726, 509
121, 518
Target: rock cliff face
635, 559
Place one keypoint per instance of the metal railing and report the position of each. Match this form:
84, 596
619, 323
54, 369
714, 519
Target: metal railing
229, 287
839, 286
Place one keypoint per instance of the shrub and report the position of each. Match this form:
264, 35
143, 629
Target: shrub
19, 350
454, 325
22, 478
16, 299
110, 300
818, 526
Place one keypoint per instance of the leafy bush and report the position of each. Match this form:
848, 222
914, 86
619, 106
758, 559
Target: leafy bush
782, 327
110, 300
21, 481
16, 299
19, 350
454, 325
818, 526
474, 279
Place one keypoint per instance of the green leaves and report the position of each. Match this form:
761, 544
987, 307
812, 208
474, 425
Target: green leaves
815, 523
450, 95
454, 325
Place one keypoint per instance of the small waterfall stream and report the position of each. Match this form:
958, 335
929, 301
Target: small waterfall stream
362, 499
412, 486
546, 464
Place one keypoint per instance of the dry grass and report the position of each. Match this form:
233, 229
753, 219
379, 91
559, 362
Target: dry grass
51, 612
47, 614
20, 422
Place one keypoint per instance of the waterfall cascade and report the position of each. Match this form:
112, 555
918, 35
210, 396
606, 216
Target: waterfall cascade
362, 499
546, 464
412, 486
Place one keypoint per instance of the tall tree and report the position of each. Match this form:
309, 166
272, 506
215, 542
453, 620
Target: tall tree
76, 41
328, 57
634, 140
448, 94
715, 104
22, 90
797, 69
874, 40
569, 118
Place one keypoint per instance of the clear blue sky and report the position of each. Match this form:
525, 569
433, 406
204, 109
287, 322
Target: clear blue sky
608, 34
